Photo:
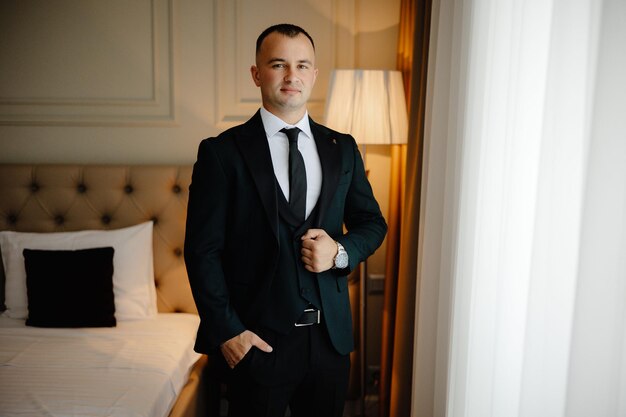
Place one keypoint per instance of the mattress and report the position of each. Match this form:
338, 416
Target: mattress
135, 369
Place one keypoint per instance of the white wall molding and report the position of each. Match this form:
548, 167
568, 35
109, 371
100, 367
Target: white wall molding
53, 75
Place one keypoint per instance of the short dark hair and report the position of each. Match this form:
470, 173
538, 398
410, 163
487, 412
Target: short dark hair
286, 29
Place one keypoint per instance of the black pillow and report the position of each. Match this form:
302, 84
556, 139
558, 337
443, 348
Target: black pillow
68, 288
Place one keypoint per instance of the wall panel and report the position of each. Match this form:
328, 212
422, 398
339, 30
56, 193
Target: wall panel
89, 62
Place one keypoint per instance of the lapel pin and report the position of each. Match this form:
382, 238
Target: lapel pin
334, 141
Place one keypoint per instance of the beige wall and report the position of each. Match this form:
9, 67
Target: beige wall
145, 81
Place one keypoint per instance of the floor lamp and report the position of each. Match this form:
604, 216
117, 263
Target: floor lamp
370, 105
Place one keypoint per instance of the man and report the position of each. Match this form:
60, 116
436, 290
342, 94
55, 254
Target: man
265, 250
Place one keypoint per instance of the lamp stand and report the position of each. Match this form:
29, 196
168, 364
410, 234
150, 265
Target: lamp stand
363, 312
363, 332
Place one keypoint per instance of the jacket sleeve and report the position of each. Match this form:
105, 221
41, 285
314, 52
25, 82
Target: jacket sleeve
365, 224
204, 243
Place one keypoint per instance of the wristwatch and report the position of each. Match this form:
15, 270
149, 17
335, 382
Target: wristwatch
341, 260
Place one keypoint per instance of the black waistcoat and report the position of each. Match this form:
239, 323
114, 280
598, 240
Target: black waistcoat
293, 287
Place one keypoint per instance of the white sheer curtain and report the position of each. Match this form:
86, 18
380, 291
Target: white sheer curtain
522, 273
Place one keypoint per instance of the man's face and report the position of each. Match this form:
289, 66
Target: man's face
285, 71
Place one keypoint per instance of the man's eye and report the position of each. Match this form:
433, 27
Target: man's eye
278, 66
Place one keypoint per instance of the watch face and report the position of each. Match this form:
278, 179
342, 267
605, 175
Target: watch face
341, 260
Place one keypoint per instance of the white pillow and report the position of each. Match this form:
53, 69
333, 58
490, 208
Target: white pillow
133, 270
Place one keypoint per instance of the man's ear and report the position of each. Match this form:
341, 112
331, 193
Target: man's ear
254, 71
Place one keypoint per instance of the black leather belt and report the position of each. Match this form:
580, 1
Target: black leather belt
310, 317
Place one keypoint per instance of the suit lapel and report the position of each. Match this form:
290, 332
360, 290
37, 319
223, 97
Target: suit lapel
252, 144
330, 159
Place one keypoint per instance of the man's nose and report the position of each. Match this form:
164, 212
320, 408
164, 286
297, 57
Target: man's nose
290, 74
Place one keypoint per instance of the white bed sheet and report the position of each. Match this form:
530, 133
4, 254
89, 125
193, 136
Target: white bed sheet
135, 369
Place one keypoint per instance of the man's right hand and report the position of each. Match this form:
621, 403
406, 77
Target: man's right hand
236, 348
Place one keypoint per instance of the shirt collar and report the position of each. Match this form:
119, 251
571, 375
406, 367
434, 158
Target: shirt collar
273, 124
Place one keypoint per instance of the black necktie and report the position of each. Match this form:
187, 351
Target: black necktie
297, 175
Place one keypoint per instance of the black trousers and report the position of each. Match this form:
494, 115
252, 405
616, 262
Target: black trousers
304, 373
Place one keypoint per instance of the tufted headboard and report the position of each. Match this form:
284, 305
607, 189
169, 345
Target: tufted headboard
57, 198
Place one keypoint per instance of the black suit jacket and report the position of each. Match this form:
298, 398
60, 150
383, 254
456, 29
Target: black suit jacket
231, 242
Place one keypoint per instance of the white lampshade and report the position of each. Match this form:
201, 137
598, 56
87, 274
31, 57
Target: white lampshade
369, 105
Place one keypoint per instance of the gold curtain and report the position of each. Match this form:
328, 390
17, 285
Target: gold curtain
403, 218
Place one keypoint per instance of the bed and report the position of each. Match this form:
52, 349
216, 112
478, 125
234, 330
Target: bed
98, 318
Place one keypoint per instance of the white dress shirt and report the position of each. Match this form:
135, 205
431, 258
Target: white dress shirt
279, 149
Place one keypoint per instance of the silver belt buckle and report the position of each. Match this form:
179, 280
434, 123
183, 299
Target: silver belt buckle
308, 310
